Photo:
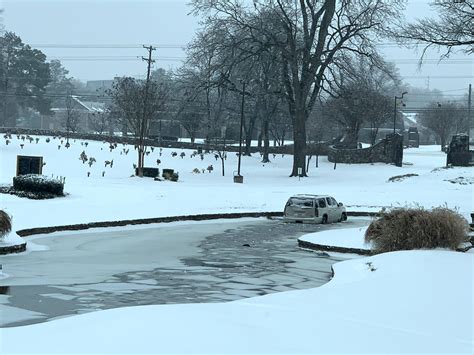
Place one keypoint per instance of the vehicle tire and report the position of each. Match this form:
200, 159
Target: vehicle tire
325, 220
343, 217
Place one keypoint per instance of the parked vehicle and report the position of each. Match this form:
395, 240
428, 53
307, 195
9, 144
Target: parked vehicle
314, 209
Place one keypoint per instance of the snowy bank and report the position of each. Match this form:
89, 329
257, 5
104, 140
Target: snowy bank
11, 239
12, 243
415, 301
351, 239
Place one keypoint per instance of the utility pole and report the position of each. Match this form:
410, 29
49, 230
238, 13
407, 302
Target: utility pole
149, 61
145, 119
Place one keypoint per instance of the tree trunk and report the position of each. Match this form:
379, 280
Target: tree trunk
443, 141
299, 147
223, 164
248, 135
309, 161
260, 138
266, 141
139, 165
141, 157
351, 138
373, 135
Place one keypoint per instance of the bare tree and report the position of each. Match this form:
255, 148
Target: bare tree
452, 30
71, 118
191, 121
307, 35
280, 125
442, 119
100, 121
191, 110
129, 95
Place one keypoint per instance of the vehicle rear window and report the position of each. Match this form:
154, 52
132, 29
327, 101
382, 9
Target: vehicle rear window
300, 202
322, 202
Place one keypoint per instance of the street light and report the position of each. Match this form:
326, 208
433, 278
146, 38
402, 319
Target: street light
239, 178
395, 111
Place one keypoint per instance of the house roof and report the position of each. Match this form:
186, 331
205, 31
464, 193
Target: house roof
88, 106
91, 106
410, 119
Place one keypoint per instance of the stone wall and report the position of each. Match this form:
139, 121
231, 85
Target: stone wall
389, 150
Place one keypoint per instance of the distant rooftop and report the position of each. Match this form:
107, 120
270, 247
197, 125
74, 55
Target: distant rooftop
99, 84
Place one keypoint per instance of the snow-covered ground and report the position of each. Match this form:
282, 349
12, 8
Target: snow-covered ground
11, 239
417, 301
266, 187
404, 302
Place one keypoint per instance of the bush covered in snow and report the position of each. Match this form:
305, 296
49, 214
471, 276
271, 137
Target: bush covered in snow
39, 184
417, 228
5, 224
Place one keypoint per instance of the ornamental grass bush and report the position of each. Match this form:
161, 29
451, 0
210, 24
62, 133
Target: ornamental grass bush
5, 224
417, 228
38, 184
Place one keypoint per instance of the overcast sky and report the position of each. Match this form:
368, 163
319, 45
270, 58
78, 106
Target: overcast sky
46, 24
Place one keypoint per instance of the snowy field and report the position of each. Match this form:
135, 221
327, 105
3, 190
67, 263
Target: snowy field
403, 302
118, 195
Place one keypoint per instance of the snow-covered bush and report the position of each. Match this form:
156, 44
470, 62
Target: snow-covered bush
417, 228
38, 184
5, 224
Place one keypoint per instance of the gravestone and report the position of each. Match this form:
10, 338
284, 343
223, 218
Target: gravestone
29, 165
149, 172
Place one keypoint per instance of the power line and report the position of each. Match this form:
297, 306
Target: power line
106, 46
126, 58
111, 58
135, 45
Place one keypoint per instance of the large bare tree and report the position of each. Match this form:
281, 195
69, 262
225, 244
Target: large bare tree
306, 36
138, 102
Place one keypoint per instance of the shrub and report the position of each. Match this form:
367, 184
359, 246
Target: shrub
416, 228
5, 224
38, 184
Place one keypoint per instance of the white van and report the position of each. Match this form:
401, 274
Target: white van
314, 209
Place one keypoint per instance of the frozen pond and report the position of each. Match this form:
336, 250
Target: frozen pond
190, 262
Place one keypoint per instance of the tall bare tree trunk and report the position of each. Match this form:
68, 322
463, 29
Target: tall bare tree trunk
249, 133
266, 140
299, 147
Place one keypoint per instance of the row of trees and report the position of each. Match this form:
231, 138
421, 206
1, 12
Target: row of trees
308, 66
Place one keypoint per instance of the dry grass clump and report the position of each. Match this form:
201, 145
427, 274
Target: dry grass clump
416, 228
5, 224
